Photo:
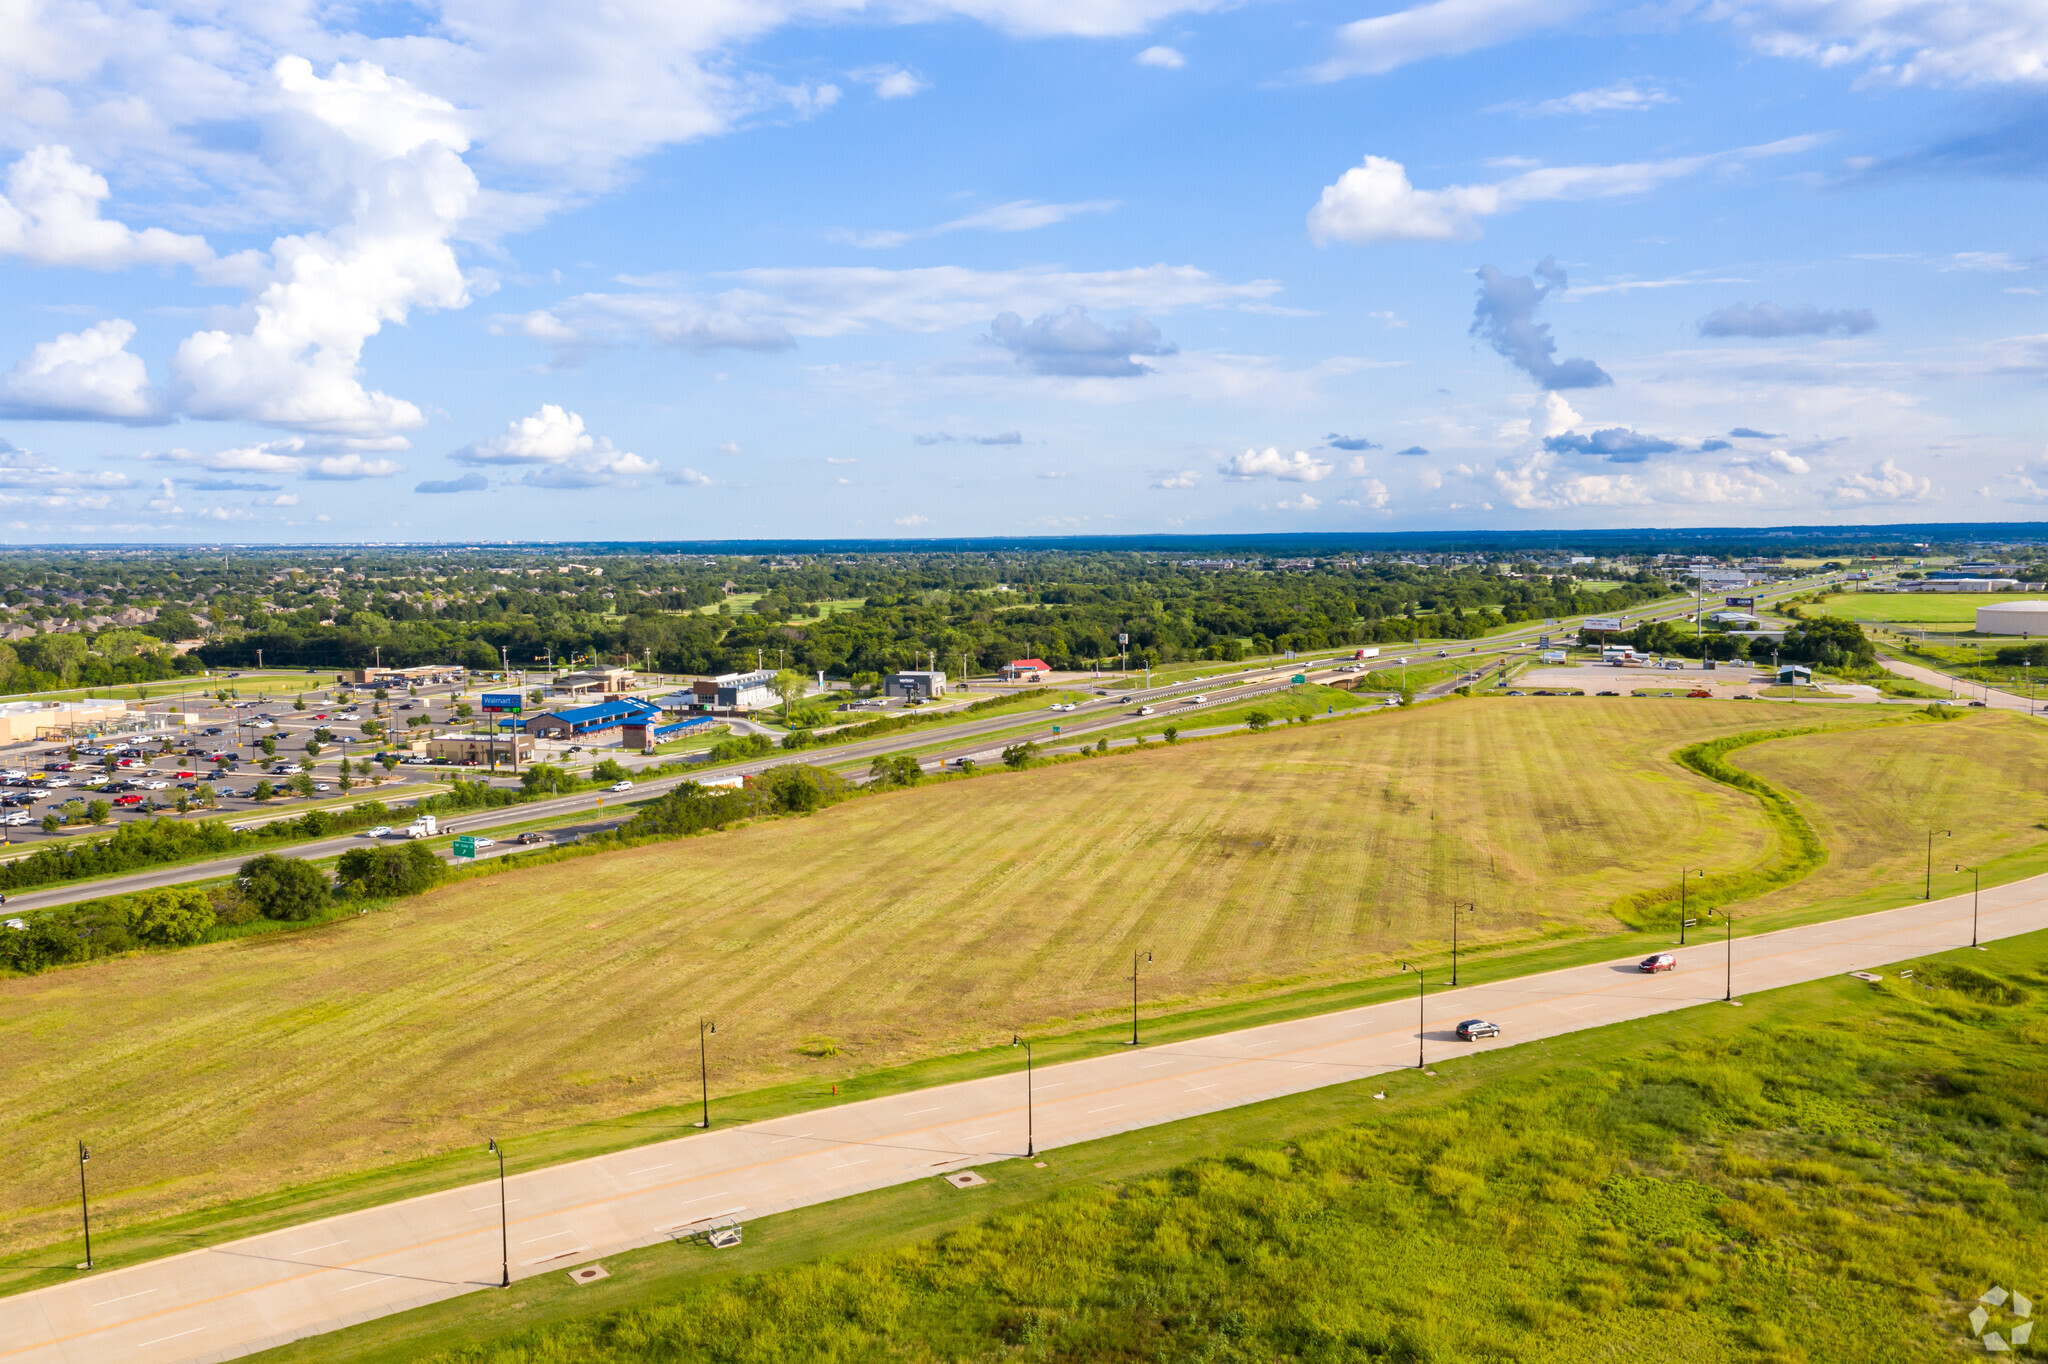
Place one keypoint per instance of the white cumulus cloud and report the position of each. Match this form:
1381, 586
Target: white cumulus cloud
1304, 503
1882, 482
1299, 467
51, 215
83, 376
1375, 201
1162, 56
891, 82
557, 452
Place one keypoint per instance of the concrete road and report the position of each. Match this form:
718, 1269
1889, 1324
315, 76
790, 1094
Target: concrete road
244, 1296
1964, 691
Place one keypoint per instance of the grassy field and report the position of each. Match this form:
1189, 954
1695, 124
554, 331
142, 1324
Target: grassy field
1833, 1172
1312, 699
900, 925
1956, 609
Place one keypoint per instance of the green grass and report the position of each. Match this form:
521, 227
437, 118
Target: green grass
1832, 1173
1917, 608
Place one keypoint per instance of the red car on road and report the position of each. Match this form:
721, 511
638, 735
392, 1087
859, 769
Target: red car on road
1661, 961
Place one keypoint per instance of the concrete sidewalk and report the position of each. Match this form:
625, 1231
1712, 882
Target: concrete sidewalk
237, 1298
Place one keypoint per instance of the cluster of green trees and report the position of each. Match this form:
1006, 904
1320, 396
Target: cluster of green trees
1821, 642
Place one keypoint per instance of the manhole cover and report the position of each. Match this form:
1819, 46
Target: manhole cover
589, 1274
964, 1179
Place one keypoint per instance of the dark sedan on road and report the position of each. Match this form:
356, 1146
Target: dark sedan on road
1472, 1029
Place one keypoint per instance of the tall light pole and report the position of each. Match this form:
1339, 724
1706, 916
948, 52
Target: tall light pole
1927, 892
1728, 919
504, 1228
84, 1211
1682, 875
1976, 889
1466, 906
1419, 1024
1134, 995
1030, 1131
704, 1067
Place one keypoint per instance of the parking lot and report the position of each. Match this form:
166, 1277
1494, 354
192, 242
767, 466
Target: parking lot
198, 741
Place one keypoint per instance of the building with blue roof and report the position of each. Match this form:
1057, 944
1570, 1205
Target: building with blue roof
600, 722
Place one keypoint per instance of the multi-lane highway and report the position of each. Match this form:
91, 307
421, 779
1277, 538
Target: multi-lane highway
236, 1298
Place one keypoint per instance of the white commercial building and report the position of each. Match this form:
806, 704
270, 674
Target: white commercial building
746, 691
2014, 618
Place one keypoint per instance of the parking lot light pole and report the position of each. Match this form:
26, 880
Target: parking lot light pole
1457, 907
1030, 1130
1419, 1024
1927, 893
1134, 995
1976, 890
504, 1229
704, 1067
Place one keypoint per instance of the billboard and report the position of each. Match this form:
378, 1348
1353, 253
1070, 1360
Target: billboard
1741, 603
1603, 623
501, 700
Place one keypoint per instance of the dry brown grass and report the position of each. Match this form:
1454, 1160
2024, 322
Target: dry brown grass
897, 925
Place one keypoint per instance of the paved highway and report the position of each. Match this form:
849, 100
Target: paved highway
244, 1296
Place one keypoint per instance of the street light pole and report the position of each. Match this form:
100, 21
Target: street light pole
1682, 874
504, 1228
704, 1068
1134, 995
84, 1212
1976, 889
1030, 1131
1457, 905
1927, 892
1419, 1010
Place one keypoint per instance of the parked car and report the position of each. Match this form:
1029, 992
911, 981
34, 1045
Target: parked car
1473, 1029
17, 819
622, 786
128, 800
1659, 961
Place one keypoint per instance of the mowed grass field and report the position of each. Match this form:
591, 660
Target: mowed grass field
1957, 609
1977, 782
898, 925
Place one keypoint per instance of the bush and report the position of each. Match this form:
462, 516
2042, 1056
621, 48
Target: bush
172, 917
1019, 755
743, 746
898, 769
796, 788
542, 778
1171, 734
382, 873
284, 887
610, 770
1258, 719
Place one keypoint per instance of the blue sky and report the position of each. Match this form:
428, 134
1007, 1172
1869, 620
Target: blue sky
960, 267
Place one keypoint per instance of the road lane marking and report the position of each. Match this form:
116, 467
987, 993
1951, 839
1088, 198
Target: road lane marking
1150, 1064
310, 1249
798, 1137
849, 1165
161, 1339
915, 1111
382, 1278
649, 1169
722, 1193
488, 1206
979, 1135
1101, 1110
549, 1237
124, 1297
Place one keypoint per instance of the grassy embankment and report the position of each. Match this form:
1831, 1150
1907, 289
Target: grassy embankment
1271, 874
1834, 1172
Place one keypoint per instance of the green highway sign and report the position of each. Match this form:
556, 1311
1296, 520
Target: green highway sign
465, 846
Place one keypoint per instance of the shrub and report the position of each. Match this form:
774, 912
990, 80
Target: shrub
1019, 755
283, 887
741, 746
1171, 734
379, 873
1258, 719
610, 770
542, 778
172, 917
797, 788
899, 769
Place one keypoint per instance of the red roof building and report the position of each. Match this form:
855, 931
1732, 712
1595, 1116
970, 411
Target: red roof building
1024, 667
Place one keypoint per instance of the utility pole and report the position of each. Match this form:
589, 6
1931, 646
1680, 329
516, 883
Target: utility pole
1134, 995
704, 1068
504, 1227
